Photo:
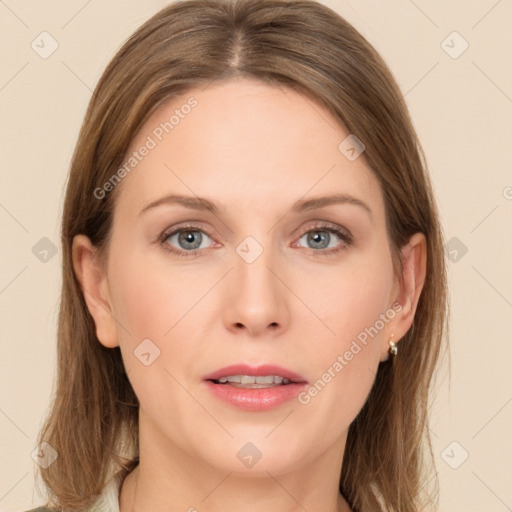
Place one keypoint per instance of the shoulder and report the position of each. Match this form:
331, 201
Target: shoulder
40, 509
108, 500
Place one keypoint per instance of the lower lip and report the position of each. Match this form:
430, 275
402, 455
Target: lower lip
255, 399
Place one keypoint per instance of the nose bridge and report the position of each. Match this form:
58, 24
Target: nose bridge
252, 263
257, 298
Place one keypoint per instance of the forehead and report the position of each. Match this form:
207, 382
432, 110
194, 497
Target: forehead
243, 142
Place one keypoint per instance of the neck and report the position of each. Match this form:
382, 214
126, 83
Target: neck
240, 493
168, 474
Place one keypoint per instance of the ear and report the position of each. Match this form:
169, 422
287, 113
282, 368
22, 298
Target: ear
407, 290
94, 285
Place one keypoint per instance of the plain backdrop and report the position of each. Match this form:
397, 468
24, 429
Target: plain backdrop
452, 61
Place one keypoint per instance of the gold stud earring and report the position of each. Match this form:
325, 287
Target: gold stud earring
393, 349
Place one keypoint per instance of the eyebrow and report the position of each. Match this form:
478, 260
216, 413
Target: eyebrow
320, 202
203, 204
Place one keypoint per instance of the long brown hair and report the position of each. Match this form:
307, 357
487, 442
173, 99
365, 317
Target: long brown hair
302, 44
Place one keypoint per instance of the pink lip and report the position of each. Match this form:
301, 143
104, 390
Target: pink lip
266, 369
255, 399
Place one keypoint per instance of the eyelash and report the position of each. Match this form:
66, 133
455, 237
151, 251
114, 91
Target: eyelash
345, 237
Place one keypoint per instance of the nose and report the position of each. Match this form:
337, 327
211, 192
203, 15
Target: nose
256, 299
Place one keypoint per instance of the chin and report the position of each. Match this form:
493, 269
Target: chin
257, 455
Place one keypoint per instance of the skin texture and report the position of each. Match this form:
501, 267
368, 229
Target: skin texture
255, 149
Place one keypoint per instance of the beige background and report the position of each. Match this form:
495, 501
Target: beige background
462, 109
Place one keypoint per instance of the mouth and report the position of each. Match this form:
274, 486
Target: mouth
253, 382
254, 389
245, 376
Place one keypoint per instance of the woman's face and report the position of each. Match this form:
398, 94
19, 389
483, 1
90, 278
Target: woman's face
262, 279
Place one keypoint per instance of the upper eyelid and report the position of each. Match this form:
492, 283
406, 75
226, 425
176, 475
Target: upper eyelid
176, 229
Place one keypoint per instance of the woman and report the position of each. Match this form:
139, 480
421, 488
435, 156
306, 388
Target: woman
254, 293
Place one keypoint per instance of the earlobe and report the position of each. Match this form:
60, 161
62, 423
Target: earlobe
409, 288
94, 286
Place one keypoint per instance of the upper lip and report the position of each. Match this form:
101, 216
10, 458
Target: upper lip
244, 369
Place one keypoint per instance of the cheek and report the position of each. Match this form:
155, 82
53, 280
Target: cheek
152, 308
355, 306
161, 302
143, 304
151, 297
350, 297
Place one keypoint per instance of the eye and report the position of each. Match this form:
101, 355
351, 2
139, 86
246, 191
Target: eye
323, 236
188, 239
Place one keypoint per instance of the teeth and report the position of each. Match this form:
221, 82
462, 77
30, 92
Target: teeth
250, 379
